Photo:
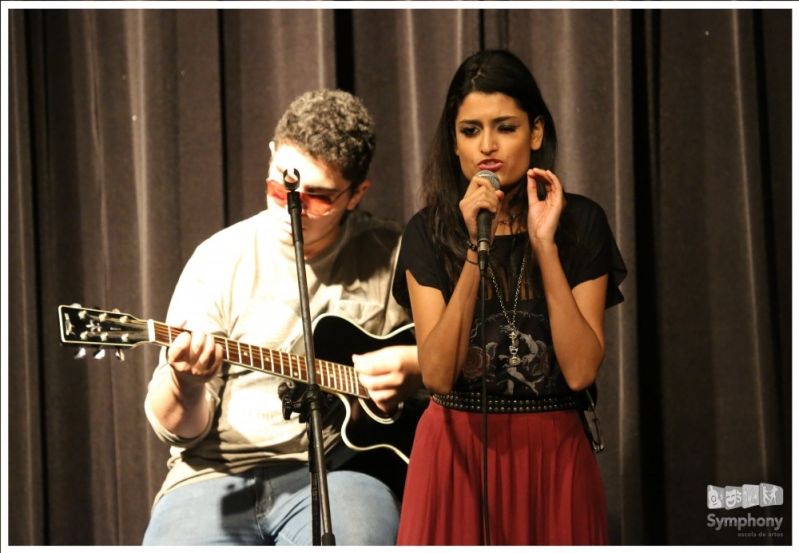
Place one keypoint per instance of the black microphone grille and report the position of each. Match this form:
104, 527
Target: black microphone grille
490, 176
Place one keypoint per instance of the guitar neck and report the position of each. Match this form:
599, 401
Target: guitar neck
331, 377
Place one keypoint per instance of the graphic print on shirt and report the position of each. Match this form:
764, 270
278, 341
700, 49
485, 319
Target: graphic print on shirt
537, 373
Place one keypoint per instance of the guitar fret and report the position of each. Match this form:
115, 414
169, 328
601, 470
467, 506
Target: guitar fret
251, 361
333, 375
261, 355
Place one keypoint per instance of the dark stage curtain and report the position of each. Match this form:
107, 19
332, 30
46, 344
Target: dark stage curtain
134, 135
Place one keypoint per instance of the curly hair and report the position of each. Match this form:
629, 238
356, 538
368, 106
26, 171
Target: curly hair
332, 126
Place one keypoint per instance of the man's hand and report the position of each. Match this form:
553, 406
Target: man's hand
195, 359
180, 403
390, 375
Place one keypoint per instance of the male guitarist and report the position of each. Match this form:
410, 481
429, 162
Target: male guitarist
238, 471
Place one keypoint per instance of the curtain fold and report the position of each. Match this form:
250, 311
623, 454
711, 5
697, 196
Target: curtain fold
136, 134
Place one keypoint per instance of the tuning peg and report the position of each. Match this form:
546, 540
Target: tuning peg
81, 353
119, 354
99, 354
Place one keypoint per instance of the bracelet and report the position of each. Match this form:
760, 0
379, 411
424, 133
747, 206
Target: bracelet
470, 261
470, 245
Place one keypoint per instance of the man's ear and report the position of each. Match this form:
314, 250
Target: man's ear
271, 155
357, 196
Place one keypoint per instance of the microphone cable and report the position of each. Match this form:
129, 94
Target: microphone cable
484, 219
484, 410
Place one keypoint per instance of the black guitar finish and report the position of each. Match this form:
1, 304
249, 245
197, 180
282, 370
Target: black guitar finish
337, 339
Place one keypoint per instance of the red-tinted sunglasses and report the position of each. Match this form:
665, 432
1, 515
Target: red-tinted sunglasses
314, 204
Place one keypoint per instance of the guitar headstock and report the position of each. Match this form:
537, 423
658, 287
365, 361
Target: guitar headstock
82, 326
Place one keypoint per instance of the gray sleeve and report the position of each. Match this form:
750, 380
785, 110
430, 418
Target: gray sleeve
195, 302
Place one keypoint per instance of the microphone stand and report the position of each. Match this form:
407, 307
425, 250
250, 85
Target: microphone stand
308, 405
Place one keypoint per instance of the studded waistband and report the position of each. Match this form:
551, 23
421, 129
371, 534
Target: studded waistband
470, 401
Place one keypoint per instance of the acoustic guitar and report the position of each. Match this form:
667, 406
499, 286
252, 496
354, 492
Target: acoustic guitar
336, 339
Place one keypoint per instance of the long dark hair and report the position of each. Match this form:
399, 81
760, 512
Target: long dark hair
488, 71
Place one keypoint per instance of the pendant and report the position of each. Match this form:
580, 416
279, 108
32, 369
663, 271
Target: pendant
513, 335
514, 360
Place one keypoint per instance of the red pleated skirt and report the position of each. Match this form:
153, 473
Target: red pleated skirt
544, 485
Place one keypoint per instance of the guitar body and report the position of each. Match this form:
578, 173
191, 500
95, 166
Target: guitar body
380, 443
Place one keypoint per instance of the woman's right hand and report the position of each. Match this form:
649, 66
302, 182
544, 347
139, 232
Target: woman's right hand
479, 195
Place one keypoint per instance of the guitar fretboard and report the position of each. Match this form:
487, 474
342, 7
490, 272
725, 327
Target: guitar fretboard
331, 377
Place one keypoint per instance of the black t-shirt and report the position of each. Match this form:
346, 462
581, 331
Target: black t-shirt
587, 250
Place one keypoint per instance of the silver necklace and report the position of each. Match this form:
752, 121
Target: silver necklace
510, 329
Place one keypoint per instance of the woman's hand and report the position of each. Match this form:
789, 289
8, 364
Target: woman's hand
479, 195
543, 215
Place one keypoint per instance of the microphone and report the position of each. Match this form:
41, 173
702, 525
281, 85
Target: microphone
484, 219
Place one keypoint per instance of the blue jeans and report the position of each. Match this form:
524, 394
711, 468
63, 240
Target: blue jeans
272, 506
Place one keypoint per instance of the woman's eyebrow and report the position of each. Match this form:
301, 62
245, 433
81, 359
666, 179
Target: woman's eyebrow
500, 119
